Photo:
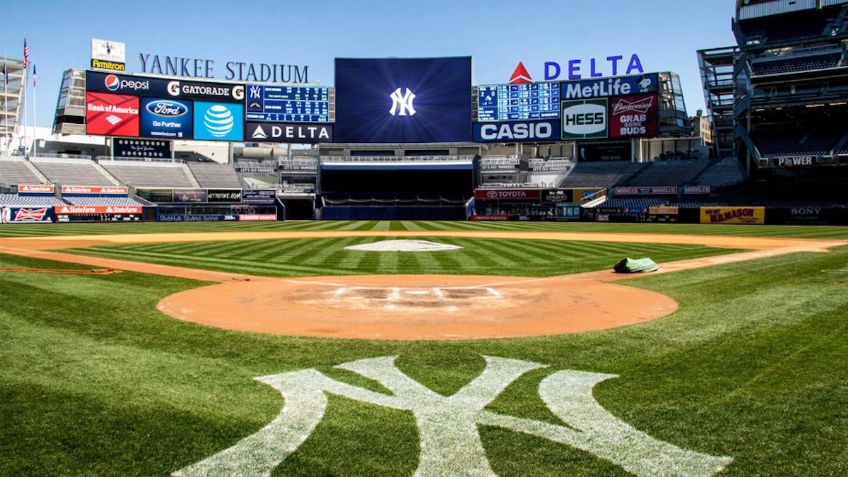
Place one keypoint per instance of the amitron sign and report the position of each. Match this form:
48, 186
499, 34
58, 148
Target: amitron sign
233, 70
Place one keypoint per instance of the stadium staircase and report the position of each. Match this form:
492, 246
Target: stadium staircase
73, 172
15, 171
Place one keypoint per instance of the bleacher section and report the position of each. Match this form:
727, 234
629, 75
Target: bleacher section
72, 172
16, 171
667, 173
646, 202
214, 176
151, 174
600, 174
774, 144
724, 173
102, 200
13, 200
796, 64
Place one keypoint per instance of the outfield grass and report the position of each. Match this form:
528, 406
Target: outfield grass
310, 257
35, 230
95, 381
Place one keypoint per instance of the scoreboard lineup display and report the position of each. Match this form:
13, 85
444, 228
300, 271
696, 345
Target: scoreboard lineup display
298, 104
518, 102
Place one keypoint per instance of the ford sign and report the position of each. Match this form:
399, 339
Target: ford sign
163, 107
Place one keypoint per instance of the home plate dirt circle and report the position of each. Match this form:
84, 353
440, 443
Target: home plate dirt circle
416, 307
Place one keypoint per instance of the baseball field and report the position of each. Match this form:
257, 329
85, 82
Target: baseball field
272, 349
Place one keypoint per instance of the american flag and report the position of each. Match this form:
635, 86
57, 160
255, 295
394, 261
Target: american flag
5, 73
26, 54
33, 75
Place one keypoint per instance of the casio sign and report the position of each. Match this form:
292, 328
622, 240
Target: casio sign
584, 119
517, 131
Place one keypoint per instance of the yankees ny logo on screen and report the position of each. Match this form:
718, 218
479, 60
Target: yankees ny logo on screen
448, 425
402, 103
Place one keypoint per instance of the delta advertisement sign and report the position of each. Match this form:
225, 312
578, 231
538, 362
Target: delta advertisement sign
610, 118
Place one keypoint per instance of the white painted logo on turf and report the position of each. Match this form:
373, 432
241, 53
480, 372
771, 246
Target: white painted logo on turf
448, 425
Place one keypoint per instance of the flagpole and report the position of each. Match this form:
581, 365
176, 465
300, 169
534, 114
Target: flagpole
34, 112
6, 134
23, 105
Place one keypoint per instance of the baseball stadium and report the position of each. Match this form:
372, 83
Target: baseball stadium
232, 269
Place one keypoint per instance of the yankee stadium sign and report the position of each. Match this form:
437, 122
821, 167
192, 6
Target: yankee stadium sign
233, 70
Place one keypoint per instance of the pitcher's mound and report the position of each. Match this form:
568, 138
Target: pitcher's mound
403, 246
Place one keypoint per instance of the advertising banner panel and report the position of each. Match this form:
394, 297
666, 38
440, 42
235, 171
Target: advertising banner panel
507, 194
259, 196
166, 118
517, 131
257, 217
697, 190
218, 121
25, 189
150, 87
289, 133
555, 196
189, 195
606, 87
733, 215
663, 190
223, 195
97, 209
95, 190
30, 214
111, 115
401, 100
663, 210
154, 148
633, 116
587, 119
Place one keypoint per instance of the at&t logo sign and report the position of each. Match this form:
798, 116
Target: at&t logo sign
402, 103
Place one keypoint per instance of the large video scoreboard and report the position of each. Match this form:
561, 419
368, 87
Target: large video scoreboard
518, 102
291, 104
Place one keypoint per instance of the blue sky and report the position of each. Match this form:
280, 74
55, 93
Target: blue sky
498, 34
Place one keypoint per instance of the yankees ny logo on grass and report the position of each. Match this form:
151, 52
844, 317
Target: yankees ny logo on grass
448, 425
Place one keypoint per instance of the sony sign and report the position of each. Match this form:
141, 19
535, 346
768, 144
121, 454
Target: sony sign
520, 131
235, 70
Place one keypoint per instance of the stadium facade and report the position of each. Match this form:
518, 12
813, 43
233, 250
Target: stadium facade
413, 138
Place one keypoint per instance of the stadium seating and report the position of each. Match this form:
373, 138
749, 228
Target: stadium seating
645, 202
102, 200
797, 64
724, 173
600, 174
73, 172
17, 171
29, 200
667, 173
212, 175
783, 143
152, 174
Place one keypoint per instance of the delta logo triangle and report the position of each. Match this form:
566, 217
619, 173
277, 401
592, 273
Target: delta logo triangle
259, 133
520, 75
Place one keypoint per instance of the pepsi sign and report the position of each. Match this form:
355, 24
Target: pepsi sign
163, 88
123, 84
166, 118
517, 131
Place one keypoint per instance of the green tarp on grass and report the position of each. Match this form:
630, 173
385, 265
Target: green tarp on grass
640, 265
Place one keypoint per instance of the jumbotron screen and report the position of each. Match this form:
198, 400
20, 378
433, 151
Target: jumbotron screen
418, 100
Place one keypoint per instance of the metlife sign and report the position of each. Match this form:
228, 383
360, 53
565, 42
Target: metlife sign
606, 87
289, 133
166, 118
517, 131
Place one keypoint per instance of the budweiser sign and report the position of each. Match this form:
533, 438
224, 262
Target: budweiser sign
30, 215
641, 106
35, 189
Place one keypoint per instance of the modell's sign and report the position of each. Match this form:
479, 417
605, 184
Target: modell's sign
97, 209
507, 194
733, 215
35, 189
107, 190
662, 190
